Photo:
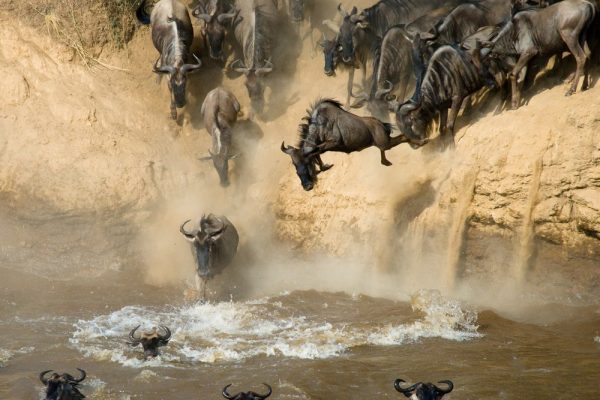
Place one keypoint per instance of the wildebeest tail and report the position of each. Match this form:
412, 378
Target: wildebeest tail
142, 13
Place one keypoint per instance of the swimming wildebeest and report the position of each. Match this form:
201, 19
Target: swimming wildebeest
219, 112
214, 245
423, 391
330, 128
452, 74
62, 387
172, 36
253, 29
546, 31
150, 341
218, 15
247, 395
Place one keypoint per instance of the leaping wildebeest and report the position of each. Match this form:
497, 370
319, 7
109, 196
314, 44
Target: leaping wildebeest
424, 391
62, 387
546, 31
217, 15
214, 245
219, 112
247, 395
254, 28
172, 36
150, 341
329, 127
452, 74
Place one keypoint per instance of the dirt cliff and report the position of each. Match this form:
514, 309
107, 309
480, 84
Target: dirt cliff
521, 188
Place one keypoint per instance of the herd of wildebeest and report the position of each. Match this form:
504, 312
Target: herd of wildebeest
444, 50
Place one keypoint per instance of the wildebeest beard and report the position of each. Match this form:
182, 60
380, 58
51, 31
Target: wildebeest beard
203, 258
178, 82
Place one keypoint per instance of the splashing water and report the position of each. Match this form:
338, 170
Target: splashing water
231, 332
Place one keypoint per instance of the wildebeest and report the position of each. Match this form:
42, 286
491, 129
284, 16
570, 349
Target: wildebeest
62, 387
217, 15
214, 245
219, 112
546, 31
247, 395
329, 127
452, 74
172, 36
424, 391
150, 341
253, 29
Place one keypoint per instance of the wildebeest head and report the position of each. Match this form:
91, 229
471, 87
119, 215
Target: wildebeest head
297, 10
215, 27
178, 78
304, 164
150, 341
331, 50
351, 25
62, 387
205, 240
221, 164
423, 391
254, 85
247, 395
412, 122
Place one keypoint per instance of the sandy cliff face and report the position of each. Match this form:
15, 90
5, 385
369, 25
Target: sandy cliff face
99, 140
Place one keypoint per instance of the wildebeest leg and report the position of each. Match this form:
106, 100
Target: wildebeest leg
350, 83
456, 103
384, 160
443, 121
571, 38
523, 60
322, 165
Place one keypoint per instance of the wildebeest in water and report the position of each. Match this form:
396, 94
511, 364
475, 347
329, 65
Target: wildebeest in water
150, 341
219, 112
329, 127
62, 387
423, 391
172, 36
214, 245
247, 395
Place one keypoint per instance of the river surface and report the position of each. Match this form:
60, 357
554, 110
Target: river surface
307, 344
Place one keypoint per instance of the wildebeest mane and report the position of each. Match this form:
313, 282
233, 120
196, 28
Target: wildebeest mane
395, 10
303, 127
173, 47
260, 46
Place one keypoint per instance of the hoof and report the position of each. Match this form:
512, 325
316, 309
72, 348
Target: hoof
386, 163
569, 92
325, 167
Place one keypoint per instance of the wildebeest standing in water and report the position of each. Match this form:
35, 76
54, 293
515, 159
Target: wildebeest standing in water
217, 15
452, 74
172, 36
423, 391
253, 29
330, 128
150, 341
62, 387
219, 112
214, 245
546, 31
247, 395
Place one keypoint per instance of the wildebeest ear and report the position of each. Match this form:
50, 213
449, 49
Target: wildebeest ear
354, 11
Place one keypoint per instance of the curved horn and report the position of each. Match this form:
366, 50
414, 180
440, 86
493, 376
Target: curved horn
187, 235
166, 69
241, 69
225, 394
341, 10
407, 107
134, 340
264, 396
218, 229
204, 17
382, 92
223, 17
43, 378
444, 391
186, 68
82, 376
399, 388
286, 149
266, 69
167, 334
331, 25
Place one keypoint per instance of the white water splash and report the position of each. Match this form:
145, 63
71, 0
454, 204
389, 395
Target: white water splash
597, 339
6, 355
231, 332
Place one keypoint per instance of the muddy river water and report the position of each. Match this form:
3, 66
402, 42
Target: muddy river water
307, 344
